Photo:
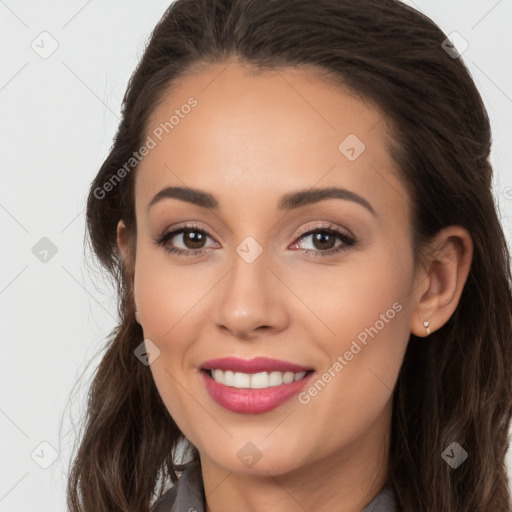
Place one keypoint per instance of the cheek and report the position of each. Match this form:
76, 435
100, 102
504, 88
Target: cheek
377, 315
366, 311
185, 411
168, 300
367, 289
170, 307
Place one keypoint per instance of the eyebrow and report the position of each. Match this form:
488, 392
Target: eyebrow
288, 201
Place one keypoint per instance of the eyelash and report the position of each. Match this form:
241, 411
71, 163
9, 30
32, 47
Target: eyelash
348, 241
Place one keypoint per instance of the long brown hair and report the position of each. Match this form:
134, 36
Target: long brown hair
454, 387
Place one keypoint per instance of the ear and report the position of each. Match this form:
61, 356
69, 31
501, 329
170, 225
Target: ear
440, 283
124, 246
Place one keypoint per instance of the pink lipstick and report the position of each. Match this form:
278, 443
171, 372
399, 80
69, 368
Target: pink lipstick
253, 386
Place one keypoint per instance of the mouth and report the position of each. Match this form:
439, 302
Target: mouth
253, 386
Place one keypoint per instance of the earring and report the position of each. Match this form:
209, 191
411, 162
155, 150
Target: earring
137, 317
425, 323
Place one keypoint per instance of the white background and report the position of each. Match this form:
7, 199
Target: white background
58, 117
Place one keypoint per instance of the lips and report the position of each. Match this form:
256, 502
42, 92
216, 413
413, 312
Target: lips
238, 393
255, 365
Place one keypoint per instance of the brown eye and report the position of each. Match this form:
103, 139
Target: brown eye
184, 241
323, 241
192, 239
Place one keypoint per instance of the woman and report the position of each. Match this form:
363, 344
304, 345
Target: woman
314, 284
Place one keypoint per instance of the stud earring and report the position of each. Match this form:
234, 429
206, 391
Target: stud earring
425, 324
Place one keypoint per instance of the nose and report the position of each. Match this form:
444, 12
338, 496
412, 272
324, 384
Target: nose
251, 301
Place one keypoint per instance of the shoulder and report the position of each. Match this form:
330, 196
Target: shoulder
383, 502
166, 501
187, 494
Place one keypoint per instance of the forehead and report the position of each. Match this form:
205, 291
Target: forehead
253, 135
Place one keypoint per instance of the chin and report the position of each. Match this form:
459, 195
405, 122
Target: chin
251, 458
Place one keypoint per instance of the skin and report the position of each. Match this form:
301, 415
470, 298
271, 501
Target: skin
331, 453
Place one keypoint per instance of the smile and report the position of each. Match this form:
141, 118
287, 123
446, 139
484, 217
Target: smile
253, 386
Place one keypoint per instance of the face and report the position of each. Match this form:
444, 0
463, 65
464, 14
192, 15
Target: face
314, 283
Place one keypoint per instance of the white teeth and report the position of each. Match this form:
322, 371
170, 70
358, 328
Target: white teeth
299, 376
228, 378
242, 380
288, 377
260, 380
275, 378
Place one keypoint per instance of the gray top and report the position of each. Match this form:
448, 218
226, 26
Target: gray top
188, 495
